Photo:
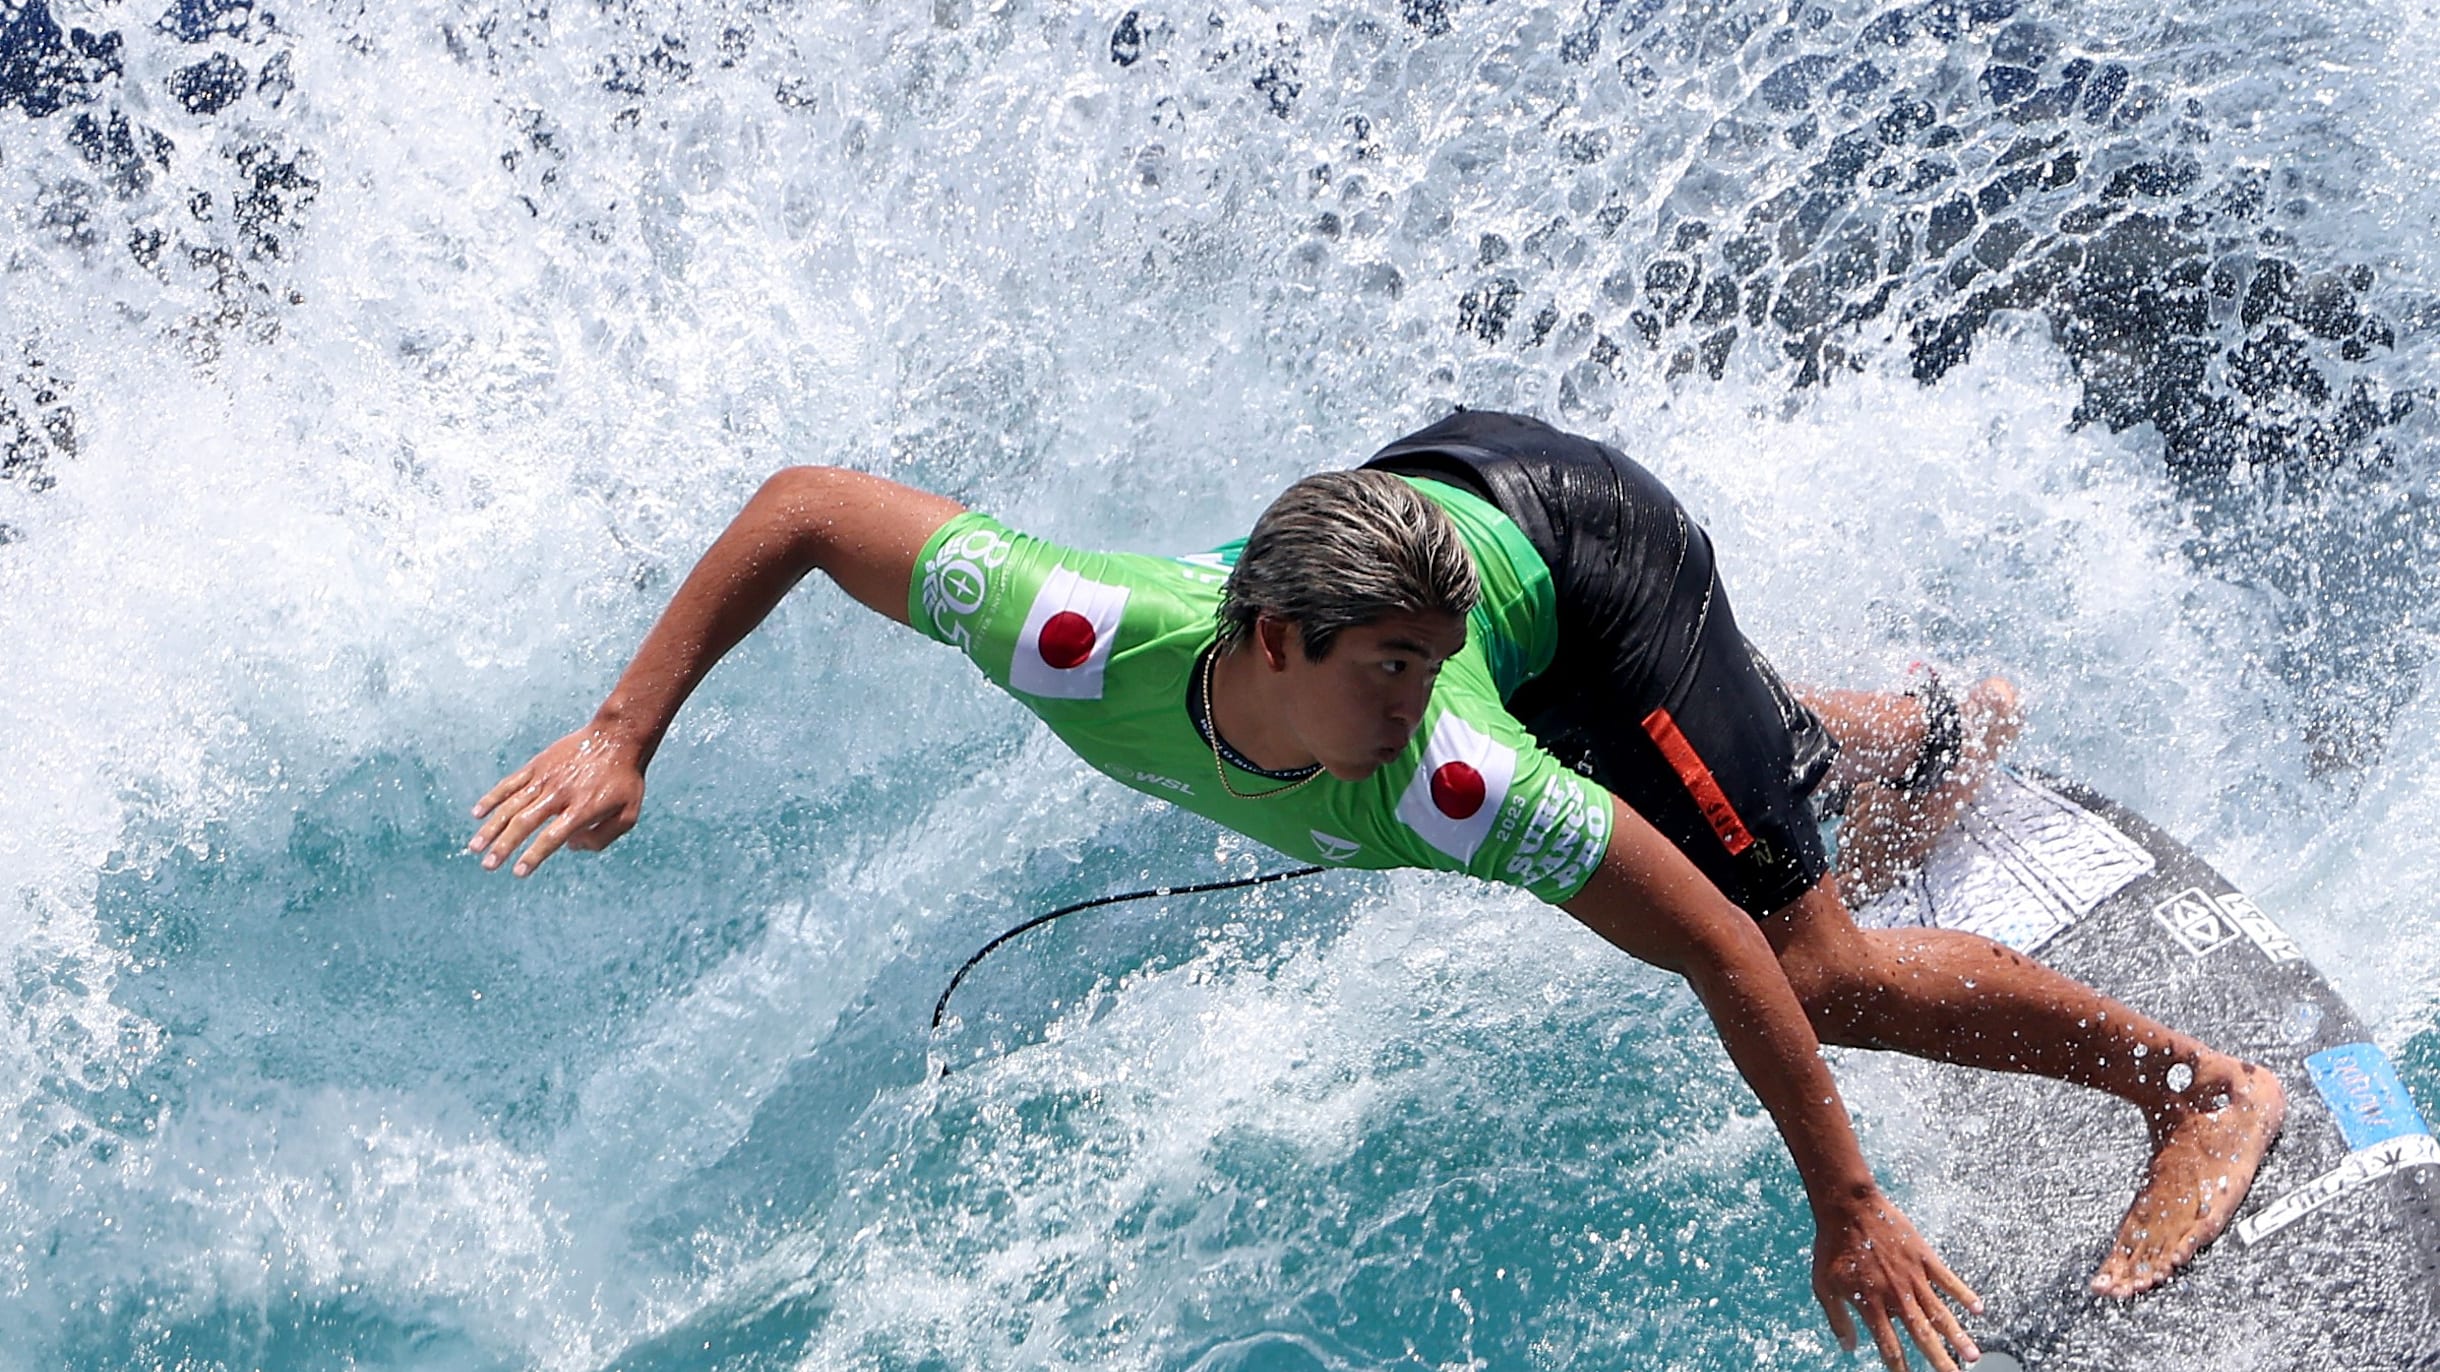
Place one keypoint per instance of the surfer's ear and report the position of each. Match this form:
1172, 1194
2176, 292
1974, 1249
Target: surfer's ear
1276, 637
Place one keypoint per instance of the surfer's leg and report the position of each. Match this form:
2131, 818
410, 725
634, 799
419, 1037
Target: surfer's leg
1960, 998
1943, 746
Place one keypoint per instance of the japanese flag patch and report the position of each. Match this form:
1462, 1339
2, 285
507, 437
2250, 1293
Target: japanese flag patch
1065, 645
1457, 792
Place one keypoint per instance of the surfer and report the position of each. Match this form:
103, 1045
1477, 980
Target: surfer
1503, 650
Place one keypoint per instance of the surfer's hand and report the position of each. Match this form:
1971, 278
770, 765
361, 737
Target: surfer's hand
1867, 1255
584, 791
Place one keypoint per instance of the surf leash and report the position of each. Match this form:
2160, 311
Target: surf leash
940, 1010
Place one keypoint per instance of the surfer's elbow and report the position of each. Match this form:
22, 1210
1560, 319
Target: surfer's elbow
806, 501
864, 531
1708, 942
1724, 959
824, 513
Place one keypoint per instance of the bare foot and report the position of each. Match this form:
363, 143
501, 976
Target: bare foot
2203, 1162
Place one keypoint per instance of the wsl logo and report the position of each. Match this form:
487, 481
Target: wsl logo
1165, 783
1332, 847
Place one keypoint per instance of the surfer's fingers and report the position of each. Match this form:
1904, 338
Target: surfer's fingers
1885, 1338
506, 816
536, 813
1926, 1336
1842, 1322
546, 844
504, 812
1946, 1320
508, 786
1953, 1286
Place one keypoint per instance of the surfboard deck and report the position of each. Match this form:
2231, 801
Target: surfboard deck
2334, 1259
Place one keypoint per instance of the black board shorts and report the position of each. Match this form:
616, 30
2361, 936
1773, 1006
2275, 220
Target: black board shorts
1653, 692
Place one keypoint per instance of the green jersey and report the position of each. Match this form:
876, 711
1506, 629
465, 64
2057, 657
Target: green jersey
1103, 647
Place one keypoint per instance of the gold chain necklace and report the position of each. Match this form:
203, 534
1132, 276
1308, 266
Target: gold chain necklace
1211, 725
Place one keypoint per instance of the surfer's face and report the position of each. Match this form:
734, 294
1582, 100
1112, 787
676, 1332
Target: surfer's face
1356, 709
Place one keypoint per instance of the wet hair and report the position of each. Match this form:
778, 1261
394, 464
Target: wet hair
1342, 549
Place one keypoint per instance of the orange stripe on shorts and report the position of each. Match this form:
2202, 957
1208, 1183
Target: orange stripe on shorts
1708, 797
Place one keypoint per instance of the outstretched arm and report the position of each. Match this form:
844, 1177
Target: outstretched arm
587, 789
1648, 899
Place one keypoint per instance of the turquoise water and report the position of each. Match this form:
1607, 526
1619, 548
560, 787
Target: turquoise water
368, 379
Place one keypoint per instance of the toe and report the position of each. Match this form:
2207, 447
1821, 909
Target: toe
2002, 714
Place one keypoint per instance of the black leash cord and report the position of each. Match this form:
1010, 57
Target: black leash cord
941, 1010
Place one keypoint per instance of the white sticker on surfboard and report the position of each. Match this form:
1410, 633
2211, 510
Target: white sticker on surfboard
2360, 1168
2022, 865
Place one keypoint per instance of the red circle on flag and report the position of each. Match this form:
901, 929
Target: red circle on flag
1066, 639
1457, 790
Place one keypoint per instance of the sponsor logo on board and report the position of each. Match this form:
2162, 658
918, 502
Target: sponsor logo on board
2203, 923
2360, 1169
2384, 1133
2364, 1094
2193, 918
2266, 934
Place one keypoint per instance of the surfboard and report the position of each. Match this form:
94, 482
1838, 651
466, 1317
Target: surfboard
2333, 1261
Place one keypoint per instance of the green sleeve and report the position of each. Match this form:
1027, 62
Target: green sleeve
1485, 798
961, 579
1562, 832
